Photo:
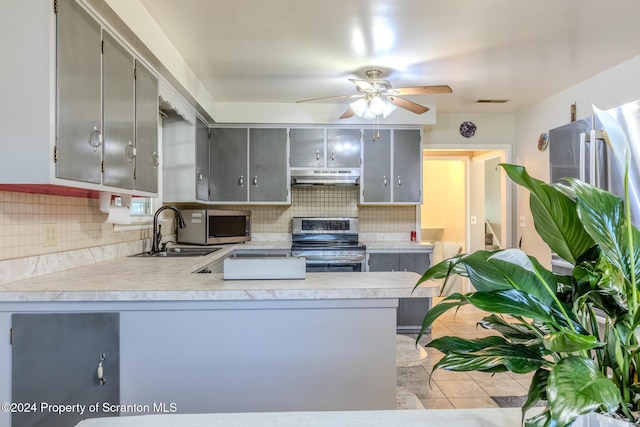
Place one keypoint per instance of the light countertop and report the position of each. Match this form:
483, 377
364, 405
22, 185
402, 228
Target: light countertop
483, 417
167, 279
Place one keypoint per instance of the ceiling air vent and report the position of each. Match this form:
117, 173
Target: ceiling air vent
491, 101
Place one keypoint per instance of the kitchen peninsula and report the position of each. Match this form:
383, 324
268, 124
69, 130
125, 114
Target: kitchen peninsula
205, 344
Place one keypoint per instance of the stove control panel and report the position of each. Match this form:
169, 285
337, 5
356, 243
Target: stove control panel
324, 225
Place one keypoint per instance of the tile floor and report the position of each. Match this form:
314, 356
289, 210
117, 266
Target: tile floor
446, 389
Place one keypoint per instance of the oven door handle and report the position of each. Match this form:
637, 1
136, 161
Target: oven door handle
342, 259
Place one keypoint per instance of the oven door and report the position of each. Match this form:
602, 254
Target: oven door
335, 264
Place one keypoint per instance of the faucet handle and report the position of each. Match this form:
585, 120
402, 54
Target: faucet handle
163, 248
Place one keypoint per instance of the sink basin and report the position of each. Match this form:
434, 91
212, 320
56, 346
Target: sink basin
180, 252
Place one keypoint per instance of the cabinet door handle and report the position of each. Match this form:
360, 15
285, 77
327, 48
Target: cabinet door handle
317, 155
384, 180
156, 160
130, 151
255, 180
199, 177
241, 181
399, 181
333, 156
100, 370
95, 138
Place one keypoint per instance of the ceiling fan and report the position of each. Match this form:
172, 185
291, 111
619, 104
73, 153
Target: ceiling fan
376, 97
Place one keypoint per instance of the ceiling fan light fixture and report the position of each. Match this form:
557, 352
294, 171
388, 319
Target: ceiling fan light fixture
368, 114
377, 105
359, 107
389, 107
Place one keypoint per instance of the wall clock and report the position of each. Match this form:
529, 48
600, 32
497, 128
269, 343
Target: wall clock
467, 129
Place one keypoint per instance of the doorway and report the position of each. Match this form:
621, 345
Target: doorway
466, 202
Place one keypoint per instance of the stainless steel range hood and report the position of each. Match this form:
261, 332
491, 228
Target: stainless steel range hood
325, 176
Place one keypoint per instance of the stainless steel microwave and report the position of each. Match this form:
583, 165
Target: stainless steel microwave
215, 226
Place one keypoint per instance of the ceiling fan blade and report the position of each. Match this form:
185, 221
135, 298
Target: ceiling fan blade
408, 105
363, 85
420, 90
357, 95
347, 114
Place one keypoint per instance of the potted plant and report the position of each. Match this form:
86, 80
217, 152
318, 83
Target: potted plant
579, 333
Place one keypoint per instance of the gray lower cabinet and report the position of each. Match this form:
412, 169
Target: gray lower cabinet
79, 94
392, 167
55, 359
411, 311
248, 165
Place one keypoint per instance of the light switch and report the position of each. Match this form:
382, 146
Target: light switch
474, 220
523, 221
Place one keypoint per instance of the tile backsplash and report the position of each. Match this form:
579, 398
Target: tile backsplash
79, 224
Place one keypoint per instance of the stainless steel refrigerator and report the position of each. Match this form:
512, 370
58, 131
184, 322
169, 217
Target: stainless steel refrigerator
579, 150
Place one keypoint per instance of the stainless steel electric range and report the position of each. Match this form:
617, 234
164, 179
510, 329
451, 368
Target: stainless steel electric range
328, 244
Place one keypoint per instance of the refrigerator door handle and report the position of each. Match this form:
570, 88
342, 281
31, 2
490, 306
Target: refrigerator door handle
600, 160
593, 159
584, 146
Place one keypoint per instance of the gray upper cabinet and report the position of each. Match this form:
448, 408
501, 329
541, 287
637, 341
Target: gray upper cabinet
248, 165
74, 121
79, 90
268, 165
118, 104
320, 147
307, 147
392, 167
376, 167
407, 166
146, 102
343, 148
202, 160
228, 153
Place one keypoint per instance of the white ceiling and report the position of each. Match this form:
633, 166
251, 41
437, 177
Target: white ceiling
288, 50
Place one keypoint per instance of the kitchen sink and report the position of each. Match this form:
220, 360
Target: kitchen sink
180, 252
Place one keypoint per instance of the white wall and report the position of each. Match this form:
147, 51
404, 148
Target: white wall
609, 89
492, 129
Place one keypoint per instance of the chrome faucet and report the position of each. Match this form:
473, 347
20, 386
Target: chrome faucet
157, 235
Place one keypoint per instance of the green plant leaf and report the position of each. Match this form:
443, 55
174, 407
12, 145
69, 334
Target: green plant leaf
567, 341
461, 345
603, 216
554, 215
526, 273
513, 302
511, 331
513, 357
576, 386
543, 419
455, 300
442, 270
537, 389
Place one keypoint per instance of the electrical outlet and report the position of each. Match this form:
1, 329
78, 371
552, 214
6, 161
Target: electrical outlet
523, 221
50, 235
